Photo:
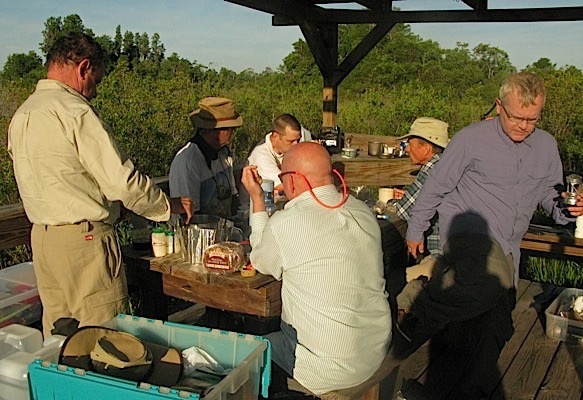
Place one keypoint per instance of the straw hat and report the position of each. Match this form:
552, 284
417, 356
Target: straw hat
216, 112
430, 129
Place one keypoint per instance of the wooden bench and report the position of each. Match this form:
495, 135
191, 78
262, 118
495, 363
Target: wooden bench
530, 362
392, 371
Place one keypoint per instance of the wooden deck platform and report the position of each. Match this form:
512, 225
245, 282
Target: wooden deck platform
531, 366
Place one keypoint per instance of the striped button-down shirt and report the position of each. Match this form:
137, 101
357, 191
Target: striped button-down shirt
331, 267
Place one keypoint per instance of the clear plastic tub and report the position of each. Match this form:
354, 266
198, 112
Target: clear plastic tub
19, 301
19, 346
561, 327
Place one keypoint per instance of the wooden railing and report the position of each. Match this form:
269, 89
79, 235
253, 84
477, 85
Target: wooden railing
14, 226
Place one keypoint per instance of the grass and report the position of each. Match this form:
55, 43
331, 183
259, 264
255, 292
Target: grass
560, 272
15, 255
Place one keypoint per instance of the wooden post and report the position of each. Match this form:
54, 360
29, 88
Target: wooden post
329, 105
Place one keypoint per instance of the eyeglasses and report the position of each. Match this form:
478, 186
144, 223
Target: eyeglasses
519, 120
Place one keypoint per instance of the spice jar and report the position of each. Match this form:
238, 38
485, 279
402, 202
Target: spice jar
169, 236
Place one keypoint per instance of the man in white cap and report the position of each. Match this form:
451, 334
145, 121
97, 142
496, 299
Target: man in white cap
202, 171
426, 140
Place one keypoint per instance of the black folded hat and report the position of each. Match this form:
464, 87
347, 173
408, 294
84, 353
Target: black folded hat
122, 355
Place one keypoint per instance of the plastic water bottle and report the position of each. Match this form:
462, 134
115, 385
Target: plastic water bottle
267, 187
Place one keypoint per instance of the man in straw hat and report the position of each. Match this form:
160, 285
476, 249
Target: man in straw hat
426, 140
202, 171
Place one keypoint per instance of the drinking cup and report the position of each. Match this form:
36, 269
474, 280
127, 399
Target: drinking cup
386, 194
374, 148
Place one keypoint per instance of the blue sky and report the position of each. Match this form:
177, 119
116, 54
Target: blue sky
220, 34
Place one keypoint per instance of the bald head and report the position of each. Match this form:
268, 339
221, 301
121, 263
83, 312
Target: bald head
313, 161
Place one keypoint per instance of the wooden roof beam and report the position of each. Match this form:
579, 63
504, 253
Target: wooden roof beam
323, 43
362, 49
478, 5
498, 15
302, 9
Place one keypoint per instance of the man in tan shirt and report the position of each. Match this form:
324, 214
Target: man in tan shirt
72, 177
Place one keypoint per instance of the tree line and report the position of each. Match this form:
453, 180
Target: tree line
146, 96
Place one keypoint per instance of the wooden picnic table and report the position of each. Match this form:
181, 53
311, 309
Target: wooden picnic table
560, 243
259, 295
365, 170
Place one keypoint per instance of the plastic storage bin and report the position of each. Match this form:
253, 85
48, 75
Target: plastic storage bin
559, 327
19, 346
19, 301
248, 355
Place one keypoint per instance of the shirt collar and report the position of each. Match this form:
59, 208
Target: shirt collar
528, 141
327, 194
44, 84
277, 157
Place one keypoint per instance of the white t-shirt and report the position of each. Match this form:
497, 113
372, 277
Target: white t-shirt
267, 160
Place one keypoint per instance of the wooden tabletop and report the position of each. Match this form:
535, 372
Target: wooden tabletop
259, 295
365, 170
561, 243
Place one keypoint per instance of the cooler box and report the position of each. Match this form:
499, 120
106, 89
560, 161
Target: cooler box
559, 327
248, 355
19, 301
19, 346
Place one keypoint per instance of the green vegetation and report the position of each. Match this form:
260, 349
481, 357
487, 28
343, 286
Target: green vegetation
146, 96
566, 273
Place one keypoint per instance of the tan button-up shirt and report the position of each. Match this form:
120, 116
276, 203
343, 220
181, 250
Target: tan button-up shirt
68, 166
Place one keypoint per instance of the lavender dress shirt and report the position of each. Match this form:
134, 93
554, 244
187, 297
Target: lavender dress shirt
483, 173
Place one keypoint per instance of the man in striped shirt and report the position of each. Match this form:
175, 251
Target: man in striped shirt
326, 249
426, 140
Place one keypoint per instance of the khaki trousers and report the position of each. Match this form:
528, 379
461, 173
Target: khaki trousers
79, 273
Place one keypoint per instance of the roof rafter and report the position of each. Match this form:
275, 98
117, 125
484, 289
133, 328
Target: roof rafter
319, 25
505, 15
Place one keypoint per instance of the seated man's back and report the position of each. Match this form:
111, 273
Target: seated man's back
336, 321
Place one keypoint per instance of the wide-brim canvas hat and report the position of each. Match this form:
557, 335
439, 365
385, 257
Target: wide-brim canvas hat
121, 355
431, 129
216, 112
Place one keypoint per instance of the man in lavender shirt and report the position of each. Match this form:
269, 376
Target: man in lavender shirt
489, 182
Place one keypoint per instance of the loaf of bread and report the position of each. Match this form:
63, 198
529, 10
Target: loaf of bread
224, 257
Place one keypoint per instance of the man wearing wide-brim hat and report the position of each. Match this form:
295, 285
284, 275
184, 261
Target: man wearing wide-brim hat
202, 171
426, 140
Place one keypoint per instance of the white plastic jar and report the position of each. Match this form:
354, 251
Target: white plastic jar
158, 242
